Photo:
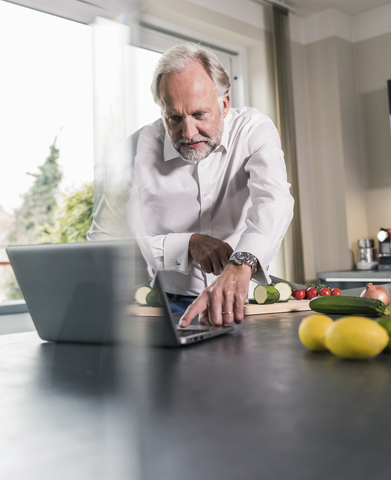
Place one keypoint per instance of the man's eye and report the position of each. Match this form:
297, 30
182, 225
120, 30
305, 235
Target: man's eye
198, 115
175, 119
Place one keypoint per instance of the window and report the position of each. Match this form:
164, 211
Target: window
45, 97
140, 107
46, 93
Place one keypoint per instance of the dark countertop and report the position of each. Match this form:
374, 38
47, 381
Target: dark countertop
254, 404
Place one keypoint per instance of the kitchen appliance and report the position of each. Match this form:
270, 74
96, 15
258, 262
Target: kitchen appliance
366, 255
384, 237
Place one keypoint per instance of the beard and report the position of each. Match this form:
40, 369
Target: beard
196, 154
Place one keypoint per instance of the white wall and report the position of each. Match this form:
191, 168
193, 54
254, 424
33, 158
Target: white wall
340, 68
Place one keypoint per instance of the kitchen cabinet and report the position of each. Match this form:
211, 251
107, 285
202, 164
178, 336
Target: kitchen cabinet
354, 278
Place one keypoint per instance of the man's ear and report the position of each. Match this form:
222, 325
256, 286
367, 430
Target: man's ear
226, 100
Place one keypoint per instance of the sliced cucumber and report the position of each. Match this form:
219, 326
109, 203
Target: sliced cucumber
284, 289
141, 295
260, 294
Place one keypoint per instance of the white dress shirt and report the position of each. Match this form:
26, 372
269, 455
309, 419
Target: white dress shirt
238, 194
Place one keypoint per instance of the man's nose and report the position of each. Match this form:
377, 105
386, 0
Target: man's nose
189, 129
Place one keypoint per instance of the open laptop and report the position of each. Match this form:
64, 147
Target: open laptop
76, 292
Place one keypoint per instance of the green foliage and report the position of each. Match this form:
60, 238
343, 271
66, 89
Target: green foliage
42, 219
12, 288
36, 209
38, 202
72, 217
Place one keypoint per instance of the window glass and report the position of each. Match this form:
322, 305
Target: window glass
159, 41
140, 107
46, 120
46, 124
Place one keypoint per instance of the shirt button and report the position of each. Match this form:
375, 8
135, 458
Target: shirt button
202, 164
206, 194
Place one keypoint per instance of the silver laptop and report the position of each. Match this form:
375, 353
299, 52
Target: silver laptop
77, 292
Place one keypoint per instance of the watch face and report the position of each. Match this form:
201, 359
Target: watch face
241, 258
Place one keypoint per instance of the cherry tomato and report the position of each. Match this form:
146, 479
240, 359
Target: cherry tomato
324, 291
311, 292
299, 294
336, 291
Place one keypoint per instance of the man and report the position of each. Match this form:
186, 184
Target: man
209, 198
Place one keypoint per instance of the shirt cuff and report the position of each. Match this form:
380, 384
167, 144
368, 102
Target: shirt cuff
261, 277
176, 252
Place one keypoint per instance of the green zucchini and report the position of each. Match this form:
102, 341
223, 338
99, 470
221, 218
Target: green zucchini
141, 295
349, 306
260, 294
273, 295
284, 290
265, 295
154, 298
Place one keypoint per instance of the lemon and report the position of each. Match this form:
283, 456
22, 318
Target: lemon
356, 338
312, 331
385, 322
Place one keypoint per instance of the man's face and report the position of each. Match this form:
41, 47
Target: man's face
192, 112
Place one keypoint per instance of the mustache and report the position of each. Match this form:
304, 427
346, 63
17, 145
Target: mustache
184, 141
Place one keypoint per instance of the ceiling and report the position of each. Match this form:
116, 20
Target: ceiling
86, 10
304, 8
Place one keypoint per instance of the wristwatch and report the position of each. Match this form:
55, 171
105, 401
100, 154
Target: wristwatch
244, 258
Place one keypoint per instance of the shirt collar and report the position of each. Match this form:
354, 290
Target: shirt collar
225, 136
170, 153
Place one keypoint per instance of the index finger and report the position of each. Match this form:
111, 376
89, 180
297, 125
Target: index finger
198, 306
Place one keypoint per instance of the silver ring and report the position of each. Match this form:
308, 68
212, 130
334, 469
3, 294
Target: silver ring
227, 313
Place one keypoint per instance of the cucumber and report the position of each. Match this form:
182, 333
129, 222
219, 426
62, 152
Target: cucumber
285, 291
350, 306
265, 295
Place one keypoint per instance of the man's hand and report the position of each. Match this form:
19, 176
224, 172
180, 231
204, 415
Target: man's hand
223, 301
211, 253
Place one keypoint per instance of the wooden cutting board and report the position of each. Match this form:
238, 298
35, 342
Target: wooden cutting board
279, 307
144, 311
249, 308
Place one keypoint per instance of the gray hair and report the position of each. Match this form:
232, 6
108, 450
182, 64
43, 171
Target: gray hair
178, 58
